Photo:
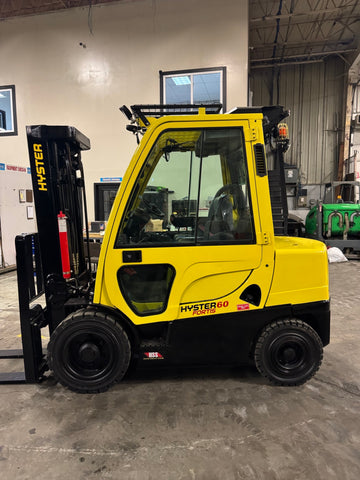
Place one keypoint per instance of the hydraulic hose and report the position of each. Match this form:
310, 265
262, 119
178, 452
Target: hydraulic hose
347, 226
354, 214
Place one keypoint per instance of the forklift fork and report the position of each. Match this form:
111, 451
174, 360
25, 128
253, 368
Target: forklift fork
32, 317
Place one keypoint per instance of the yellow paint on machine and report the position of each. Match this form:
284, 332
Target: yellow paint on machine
40, 167
287, 270
301, 272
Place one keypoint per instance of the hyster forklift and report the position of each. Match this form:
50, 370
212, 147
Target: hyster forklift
190, 271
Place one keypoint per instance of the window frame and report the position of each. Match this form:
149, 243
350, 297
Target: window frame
194, 71
14, 130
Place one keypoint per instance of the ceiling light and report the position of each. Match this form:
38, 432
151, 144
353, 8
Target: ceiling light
181, 80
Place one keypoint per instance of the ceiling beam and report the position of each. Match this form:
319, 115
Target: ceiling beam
301, 57
350, 19
306, 43
284, 64
23, 8
274, 18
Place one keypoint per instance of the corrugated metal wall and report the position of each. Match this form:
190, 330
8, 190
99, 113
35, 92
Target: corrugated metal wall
315, 95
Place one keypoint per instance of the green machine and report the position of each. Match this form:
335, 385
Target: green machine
336, 219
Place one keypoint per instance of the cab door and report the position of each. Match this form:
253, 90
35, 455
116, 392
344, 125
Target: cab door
185, 238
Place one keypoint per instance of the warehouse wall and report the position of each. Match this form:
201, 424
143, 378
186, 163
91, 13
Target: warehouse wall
314, 93
16, 210
74, 68
352, 166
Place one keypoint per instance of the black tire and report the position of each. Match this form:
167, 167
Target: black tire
89, 351
288, 352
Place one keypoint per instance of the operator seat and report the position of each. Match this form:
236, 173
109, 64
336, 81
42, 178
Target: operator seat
229, 216
220, 222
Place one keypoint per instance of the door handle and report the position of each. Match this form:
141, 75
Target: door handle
132, 256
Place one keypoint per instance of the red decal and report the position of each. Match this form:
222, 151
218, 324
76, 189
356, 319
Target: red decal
245, 306
153, 356
14, 168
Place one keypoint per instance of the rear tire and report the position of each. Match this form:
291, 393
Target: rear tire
288, 352
89, 351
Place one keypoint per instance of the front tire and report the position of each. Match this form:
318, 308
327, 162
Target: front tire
288, 352
89, 351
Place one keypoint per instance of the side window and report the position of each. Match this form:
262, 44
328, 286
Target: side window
192, 189
146, 288
224, 174
163, 205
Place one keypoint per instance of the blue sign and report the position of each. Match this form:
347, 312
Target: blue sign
2, 166
28, 170
111, 179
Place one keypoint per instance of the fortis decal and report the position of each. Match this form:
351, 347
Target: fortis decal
204, 308
40, 168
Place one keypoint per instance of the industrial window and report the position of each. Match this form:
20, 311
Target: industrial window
8, 124
104, 196
205, 86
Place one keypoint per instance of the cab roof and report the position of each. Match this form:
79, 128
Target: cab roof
140, 114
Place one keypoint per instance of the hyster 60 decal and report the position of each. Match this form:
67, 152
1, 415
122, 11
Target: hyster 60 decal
40, 168
204, 308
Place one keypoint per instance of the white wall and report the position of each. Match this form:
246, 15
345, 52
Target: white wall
13, 214
60, 82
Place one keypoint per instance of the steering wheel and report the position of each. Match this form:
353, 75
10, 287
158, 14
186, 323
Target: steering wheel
236, 192
152, 208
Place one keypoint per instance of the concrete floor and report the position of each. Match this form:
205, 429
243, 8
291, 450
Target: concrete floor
201, 424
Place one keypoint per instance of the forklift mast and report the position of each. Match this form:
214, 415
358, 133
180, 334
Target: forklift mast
59, 194
59, 190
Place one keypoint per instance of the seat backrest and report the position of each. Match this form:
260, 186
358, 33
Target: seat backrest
220, 219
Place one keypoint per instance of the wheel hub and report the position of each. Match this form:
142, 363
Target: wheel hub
289, 355
89, 352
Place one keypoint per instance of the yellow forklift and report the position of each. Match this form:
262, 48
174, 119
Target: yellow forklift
190, 271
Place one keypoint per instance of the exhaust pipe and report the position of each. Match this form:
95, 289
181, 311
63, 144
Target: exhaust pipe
331, 216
